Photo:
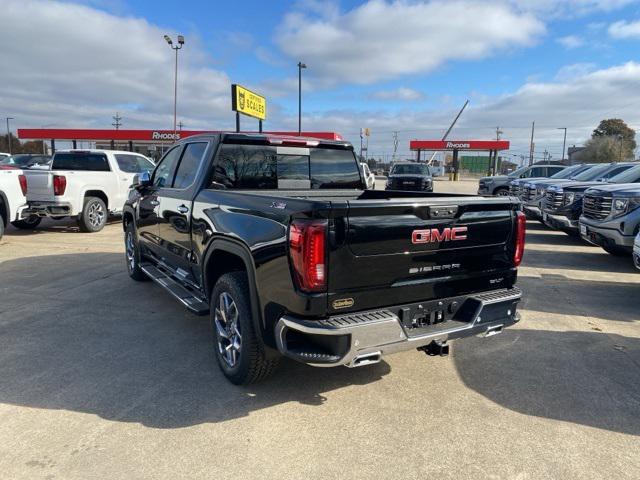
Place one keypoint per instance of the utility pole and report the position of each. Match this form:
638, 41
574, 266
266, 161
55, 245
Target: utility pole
180, 125
544, 157
564, 142
531, 146
498, 133
116, 121
395, 145
9, 134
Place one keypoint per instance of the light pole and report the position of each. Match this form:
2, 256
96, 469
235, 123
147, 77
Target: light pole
621, 138
175, 79
9, 134
564, 142
300, 67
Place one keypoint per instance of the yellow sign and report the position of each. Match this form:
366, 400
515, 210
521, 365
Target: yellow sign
247, 102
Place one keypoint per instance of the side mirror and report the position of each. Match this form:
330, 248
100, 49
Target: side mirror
142, 180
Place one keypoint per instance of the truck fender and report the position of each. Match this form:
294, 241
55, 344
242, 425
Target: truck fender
243, 252
91, 188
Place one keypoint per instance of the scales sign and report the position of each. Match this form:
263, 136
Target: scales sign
247, 102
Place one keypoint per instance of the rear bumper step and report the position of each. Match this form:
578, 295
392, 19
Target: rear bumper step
363, 338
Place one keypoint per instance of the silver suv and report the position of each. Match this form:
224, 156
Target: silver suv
499, 184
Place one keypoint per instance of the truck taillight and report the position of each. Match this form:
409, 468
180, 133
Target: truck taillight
521, 228
23, 184
307, 248
59, 184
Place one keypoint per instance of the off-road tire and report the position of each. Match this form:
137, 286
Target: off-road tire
94, 215
501, 192
252, 364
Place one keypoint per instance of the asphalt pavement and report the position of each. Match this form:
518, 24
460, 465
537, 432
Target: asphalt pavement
102, 377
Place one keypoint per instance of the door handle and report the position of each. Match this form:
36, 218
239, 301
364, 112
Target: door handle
155, 203
183, 209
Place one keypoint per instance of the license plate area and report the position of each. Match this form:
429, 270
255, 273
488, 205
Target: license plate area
583, 230
420, 318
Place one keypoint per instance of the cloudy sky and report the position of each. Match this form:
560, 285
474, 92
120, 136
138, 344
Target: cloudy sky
403, 66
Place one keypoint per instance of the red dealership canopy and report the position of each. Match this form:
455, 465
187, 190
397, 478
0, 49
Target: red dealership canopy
150, 136
459, 144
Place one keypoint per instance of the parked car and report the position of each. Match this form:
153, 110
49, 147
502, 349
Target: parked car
410, 176
531, 191
369, 177
89, 184
562, 205
611, 213
636, 251
499, 184
4, 155
13, 186
328, 275
24, 161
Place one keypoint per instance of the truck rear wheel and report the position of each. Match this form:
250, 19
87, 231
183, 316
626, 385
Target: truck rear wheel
239, 352
28, 223
502, 192
94, 215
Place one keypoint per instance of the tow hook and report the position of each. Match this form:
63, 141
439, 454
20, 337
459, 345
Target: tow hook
435, 348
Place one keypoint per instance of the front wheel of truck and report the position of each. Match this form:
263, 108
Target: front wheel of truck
239, 352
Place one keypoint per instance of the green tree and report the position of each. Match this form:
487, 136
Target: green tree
616, 127
612, 141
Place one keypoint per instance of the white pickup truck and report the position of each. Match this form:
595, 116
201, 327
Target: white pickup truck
13, 186
89, 184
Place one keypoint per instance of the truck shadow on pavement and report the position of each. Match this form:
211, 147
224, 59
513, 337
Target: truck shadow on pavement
77, 334
580, 377
66, 225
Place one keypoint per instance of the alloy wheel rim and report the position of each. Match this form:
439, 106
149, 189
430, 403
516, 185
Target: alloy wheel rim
96, 214
228, 329
131, 257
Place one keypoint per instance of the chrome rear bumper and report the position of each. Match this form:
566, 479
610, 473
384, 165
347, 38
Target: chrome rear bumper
363, 338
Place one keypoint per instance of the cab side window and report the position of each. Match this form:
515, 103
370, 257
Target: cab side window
163, 174
189, 163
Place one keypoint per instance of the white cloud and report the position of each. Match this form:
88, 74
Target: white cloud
575, 70
570, 41
624, 29
398, 94
569, 8
578, 102
381, 40
75, 66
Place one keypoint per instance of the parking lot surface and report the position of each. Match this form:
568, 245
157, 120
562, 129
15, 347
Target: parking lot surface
103, 377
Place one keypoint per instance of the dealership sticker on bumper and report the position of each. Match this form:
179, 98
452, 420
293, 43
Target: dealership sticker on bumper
583, 230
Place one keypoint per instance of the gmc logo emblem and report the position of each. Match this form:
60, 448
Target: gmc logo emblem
434, 235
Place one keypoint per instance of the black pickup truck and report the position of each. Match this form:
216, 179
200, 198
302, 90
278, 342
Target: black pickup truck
277, 239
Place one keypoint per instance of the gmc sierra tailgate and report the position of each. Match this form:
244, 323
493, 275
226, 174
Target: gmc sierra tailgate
39, 186
394, 251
